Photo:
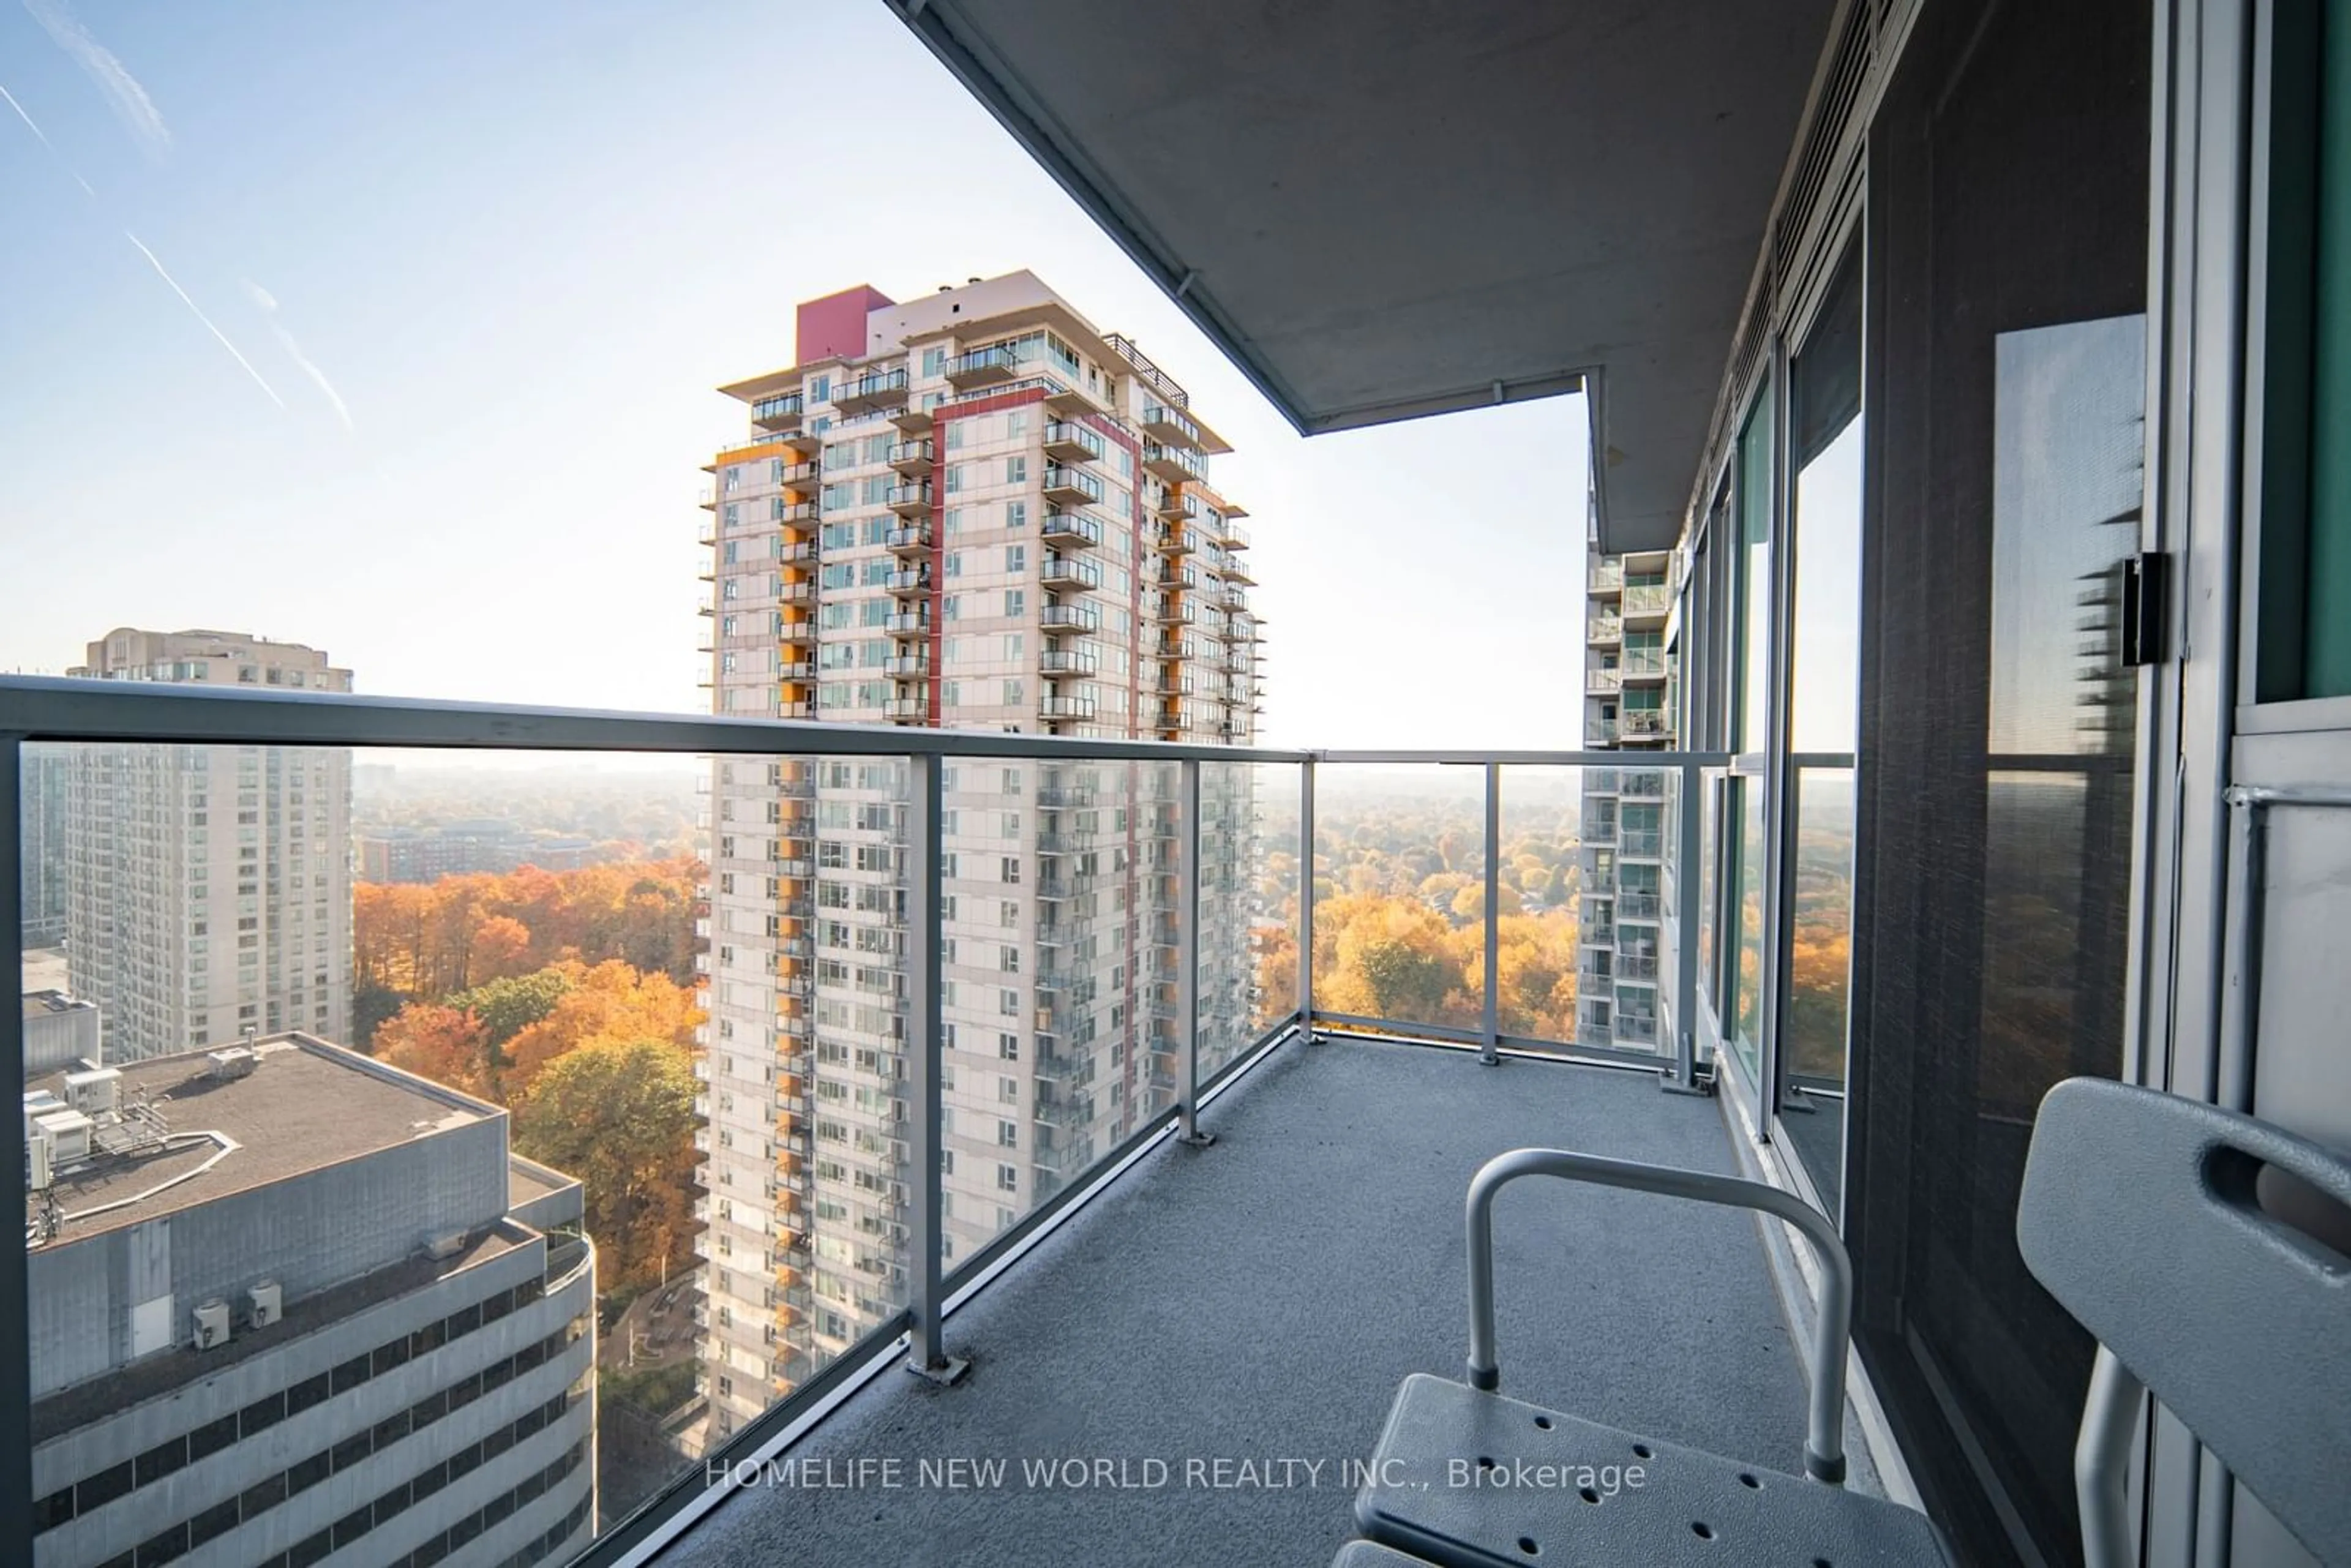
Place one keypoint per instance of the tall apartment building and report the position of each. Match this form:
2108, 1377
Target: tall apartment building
1627, 707
975, 510
288, 1306
209, 887
41, 874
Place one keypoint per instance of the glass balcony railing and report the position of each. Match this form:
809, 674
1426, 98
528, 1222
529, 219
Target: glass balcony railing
657, 1150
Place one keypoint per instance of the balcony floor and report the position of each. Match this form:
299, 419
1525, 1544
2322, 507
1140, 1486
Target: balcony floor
1263, 1299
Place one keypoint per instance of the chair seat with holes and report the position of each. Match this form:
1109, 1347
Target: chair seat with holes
1463, 1478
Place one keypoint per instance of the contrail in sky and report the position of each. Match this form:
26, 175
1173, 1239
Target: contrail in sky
32, 126
124, 95
268, 303
207, 320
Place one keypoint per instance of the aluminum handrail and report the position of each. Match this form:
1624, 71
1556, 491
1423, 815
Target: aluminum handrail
65, 709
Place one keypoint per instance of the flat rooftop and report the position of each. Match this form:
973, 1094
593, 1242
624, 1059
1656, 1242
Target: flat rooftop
1261, 1300
42, 1003
304, 1105
44, 969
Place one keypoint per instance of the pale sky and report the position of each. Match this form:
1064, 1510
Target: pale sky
392, 329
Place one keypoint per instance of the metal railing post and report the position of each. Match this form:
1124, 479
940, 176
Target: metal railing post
1490, 1051
1682, 1076
1187, 953
927, 1297
15, 1340
1306, 901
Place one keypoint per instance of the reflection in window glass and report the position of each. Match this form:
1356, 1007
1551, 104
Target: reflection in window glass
1748, 983
1754, 572
1824, 666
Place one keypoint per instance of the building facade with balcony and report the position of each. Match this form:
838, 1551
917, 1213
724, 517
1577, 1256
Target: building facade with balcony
971, 510
43, 781
209, 887
1624, 932
289, 1306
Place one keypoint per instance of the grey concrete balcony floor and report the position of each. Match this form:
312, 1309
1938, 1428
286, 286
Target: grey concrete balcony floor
1261, 1300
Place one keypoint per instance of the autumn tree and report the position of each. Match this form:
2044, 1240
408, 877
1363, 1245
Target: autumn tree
444, 1044
424, 943
508, 1007
620, 1116
610, 1003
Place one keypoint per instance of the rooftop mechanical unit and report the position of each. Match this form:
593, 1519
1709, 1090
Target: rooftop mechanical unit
211, 1325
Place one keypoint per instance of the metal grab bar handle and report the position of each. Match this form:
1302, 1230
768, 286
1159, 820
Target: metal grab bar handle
1824, 1424
2110, 1418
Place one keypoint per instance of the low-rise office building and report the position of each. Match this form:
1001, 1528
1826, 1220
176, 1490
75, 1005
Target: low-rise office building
282, 1295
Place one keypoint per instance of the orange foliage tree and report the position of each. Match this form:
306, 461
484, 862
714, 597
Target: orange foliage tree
446, 1044
608, 1003
619, 1114
426, 942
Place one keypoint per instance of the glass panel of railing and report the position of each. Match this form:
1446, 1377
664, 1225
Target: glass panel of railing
1237, 928
1399, 906
1060, 1003
1549, 820
1277, 903
390, 1105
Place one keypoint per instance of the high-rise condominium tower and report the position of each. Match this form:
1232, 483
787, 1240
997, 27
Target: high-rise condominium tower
42, 874
210, 891
970, 510
1626, 705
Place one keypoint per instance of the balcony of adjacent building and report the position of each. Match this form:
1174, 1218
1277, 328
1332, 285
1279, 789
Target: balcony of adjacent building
912, 458
1067, 441
1647, 603
1169, 425
1173, 464
1068, 530
1069, 573
870, 393
909, 499
780, 413
1644, 726
1065, 486
982, 367
1646, 665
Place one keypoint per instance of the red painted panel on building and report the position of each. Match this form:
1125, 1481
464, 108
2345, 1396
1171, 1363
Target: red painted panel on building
836, 324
